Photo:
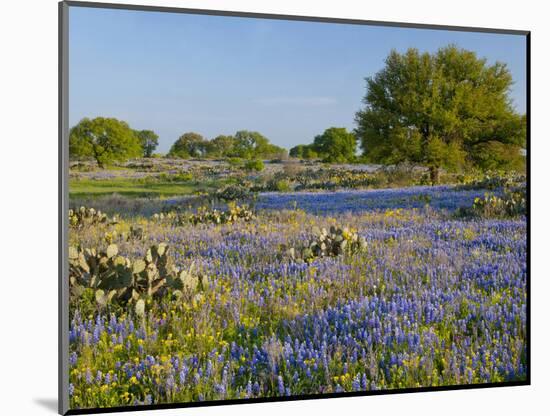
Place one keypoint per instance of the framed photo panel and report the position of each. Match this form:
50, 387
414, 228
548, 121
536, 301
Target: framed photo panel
263, 208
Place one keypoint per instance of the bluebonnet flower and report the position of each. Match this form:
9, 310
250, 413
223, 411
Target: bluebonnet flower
364, 382
183, 374
73, 358
170, 382
280, 385
96, 335
209, 369
256, 388
219, 388
88, 376
356, 383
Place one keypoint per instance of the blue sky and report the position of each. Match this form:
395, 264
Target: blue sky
289, 80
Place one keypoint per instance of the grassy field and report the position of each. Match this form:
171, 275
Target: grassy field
137, 187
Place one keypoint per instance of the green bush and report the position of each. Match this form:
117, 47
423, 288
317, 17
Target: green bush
254, 165
235, 161
282, 186
233, 193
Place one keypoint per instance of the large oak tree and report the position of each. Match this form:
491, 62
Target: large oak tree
103, 139
447, 110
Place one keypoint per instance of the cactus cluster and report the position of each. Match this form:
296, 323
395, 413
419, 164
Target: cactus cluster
135, 233
334, 242
117, 278
511, 204
493, 181
84, 216
161, 216
206, 215
326, 179
232, 214
516, 201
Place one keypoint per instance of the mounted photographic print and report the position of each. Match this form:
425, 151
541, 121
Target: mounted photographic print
264, 207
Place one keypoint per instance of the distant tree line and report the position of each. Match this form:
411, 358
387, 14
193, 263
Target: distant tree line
107, 140
244, 144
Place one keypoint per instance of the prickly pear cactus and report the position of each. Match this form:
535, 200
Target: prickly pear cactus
136, 233
85, 217
117, 278
205, 215
334, 242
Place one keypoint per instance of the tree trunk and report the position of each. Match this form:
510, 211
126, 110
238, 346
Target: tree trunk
434, 175
96, 157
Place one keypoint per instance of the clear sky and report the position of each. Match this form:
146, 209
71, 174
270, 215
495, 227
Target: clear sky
289, 80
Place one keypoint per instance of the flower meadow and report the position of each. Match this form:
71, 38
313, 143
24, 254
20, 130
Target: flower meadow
434, 299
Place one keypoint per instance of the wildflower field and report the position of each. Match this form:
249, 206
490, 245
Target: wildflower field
296, 293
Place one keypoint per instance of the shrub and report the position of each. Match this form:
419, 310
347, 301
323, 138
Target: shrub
233, 193
181, 177
235, 161
254, 165
292, 169
282, 185
400, 175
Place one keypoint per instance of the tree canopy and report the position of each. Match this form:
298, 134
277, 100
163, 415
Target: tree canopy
149, 141
448, 109
189, 145
103, 139
253, 145
244, 144
300, 151
221, 146
336, 144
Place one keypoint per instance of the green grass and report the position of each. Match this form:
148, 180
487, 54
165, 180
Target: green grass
137, 187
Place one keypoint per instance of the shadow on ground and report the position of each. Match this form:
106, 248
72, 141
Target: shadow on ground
49, 404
